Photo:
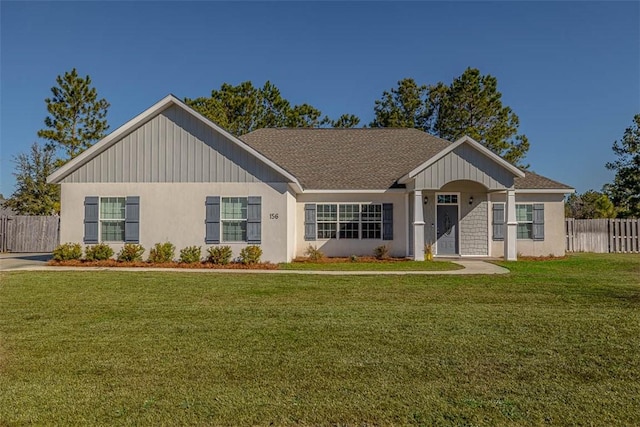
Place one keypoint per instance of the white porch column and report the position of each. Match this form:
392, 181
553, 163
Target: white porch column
510, 249
418, 226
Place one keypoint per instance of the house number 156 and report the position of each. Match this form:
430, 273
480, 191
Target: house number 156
273, 216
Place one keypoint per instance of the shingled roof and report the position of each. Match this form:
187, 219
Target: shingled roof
346, 159
356, 159
533, 181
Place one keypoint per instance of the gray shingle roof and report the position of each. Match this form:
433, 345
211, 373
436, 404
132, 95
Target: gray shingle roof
534, 181
341, 159
356, 159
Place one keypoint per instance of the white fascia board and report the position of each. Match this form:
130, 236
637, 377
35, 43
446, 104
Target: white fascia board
389, 190
140, 119
465, 139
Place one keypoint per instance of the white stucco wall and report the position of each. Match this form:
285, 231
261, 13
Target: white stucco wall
359, 247
554, 234
175, 212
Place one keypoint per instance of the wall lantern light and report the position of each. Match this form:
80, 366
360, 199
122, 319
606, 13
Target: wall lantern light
471, 200
426, 200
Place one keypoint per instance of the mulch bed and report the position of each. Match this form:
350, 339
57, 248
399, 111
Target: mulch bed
335, 260
230, 266
208, 265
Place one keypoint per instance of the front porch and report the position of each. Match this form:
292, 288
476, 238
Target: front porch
450, 206
456, 221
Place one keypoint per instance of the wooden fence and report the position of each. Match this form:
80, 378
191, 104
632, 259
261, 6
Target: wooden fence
603, 235
29, 233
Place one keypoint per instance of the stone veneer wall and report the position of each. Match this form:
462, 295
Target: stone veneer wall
474, 228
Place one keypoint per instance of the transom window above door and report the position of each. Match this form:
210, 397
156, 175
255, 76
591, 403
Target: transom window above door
447, 199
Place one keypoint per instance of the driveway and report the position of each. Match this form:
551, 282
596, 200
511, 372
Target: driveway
11, 261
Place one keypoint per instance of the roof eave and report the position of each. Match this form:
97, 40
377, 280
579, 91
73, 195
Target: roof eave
356, 191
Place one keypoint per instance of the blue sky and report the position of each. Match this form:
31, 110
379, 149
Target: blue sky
569, 70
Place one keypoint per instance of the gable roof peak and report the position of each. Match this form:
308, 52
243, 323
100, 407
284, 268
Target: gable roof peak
59, 174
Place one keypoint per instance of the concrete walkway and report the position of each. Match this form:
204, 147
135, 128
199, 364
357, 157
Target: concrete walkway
37, 262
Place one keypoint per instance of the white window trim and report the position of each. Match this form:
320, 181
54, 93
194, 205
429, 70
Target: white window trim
360, 221
223, 220
101, 220
524, 222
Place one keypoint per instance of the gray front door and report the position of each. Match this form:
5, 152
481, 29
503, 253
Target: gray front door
447, 230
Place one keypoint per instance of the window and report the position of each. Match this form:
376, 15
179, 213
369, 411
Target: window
524, 216
327, 217
529, 218
447, 199
371, 221
349, 221
112, 216
234, 219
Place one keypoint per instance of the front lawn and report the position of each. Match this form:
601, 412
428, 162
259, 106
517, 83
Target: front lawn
554, 342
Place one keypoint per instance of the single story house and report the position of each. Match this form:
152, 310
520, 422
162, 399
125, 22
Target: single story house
171, 174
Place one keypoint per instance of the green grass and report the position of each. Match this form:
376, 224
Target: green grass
554, 342
372, 266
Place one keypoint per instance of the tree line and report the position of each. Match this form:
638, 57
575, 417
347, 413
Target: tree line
470, 105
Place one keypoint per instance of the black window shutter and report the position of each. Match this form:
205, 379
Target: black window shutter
132, 219
212, 220
387, 221
310, 221
538, 221
254, 219
91, 219
498, 221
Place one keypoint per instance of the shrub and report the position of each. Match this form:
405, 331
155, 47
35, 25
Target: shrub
250, 255
190, 254
131, 252
99, 252
162, 253
313, 253
381, 252
67, 251
353, 258
220, 255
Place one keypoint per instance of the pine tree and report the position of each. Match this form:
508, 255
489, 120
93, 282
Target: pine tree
625, 189
345, 121
243, 108
472, 106
33, 195
406, 106
77, 118
588, 205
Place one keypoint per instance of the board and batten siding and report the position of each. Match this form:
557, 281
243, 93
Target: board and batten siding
464, 163
174, 146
